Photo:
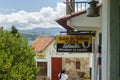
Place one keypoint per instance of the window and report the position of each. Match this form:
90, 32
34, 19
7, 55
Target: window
78, 64
43, 68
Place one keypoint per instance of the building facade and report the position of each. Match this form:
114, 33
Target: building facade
110, 28
52, 62
111, 40
78, 21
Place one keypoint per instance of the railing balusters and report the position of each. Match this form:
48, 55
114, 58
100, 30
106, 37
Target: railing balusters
79, 5
85, 5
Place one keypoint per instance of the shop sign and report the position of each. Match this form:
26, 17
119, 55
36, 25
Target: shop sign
74, 43
40, 55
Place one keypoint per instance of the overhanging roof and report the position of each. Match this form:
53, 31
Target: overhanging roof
63, 20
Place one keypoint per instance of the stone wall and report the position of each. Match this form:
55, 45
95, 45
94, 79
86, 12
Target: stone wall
76, 68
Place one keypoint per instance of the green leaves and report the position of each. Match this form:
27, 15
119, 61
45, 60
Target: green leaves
16, 58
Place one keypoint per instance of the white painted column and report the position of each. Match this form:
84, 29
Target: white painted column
94, 60
49, 67
92, 66
106, 40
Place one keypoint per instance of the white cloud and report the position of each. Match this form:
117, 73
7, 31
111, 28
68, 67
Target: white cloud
28, 20
6, 10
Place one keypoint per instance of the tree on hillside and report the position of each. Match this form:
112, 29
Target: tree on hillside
16, 58
14, 30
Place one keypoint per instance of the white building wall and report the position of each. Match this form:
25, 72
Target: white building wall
50, 52
82, 22
85, 22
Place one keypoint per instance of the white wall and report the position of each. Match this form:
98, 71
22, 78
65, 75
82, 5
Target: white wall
106, 41
82, 22
51, 52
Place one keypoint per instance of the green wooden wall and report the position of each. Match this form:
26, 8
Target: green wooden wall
114, 39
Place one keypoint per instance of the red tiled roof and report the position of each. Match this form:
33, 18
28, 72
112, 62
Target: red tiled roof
42, 42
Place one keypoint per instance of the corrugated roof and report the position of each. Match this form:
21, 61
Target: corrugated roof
42, 42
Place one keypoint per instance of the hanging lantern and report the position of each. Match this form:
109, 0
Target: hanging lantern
93, 10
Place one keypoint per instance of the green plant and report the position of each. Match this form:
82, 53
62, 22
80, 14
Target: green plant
87, 76
16, 58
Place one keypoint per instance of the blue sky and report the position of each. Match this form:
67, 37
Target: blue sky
27, 5
28, 14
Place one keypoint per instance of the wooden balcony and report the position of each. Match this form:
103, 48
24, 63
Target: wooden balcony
75, 6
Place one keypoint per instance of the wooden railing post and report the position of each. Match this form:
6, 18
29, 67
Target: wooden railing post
71, 5
67, 7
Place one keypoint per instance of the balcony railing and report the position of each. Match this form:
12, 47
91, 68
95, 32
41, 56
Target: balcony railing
81, 5
76, 6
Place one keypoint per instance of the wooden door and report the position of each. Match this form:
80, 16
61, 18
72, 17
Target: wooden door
56, 67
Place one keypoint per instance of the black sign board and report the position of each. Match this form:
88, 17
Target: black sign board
68, 43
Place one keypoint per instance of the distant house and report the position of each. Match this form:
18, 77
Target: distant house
52, 62
40, 45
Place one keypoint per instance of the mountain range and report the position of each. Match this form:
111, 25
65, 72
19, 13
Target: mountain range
34, 33
50, 31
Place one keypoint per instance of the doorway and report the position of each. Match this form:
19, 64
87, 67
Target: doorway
56, 67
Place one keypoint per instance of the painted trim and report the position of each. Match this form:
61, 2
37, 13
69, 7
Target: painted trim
106, 40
